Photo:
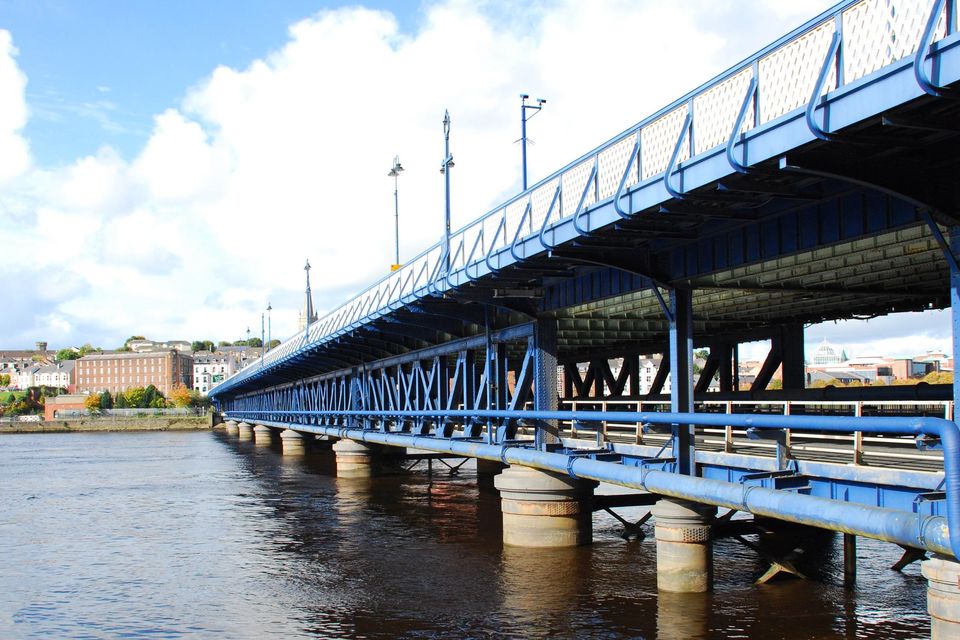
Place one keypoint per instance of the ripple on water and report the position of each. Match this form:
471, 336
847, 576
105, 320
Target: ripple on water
173, 535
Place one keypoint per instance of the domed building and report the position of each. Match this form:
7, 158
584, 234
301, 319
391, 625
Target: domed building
827, 353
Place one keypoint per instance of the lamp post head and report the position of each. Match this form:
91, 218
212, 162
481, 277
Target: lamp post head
269, 307
397, 167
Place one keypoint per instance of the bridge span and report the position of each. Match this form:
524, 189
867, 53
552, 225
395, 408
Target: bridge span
815, 180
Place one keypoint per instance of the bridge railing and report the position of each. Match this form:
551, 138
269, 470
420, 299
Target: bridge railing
774, 82
848, 447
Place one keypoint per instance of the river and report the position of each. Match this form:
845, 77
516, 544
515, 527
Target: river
192, 534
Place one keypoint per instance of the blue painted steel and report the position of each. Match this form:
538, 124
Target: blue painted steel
850, 103
910, 529
581, 210
546, 219
816, 95
923, 50
685, 131
634, 154
741, 167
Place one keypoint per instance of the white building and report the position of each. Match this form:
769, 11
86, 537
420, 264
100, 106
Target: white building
56, 375
26, 377
210, 369
147, 346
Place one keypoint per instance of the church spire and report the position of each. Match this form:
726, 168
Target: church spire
308, 315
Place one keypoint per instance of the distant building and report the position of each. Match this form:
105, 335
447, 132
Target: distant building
54, 407
26, 377
120, 371
146, 346
57, 375
826, 353
210, 369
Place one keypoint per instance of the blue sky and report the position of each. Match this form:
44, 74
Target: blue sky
101, 69
168, 166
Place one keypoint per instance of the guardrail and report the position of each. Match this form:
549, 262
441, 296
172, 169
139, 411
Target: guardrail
728, 438
911, 529
766, 86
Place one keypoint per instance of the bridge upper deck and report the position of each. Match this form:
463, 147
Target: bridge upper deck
791, 188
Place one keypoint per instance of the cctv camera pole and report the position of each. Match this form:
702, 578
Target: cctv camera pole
445, 170
269, 323
523, 128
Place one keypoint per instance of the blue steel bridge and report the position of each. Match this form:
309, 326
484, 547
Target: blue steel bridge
816, 180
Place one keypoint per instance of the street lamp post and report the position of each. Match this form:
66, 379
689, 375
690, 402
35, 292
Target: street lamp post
445, 170
263, 336
395, 173
524, 107
269, 324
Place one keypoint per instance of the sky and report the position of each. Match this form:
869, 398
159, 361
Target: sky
167, 167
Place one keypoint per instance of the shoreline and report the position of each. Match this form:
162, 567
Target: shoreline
87, 425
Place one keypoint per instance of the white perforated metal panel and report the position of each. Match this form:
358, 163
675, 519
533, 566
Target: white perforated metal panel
658, 139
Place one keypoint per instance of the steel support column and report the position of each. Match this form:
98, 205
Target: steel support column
545, 376
681, 375
791, 349
955, 307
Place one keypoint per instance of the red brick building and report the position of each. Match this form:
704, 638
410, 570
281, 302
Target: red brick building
120, 371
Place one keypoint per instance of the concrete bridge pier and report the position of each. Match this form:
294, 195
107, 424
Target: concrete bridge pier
684, 546
356, 459
245, 431
487, 470
231, 427
262, 435
943, 596
545, 509
292, 443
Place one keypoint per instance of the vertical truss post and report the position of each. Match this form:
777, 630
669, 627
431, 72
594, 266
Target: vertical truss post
955, 307
725, 365
681, 376
791, 348
545, 377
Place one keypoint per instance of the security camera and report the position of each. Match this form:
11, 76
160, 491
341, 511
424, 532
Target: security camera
524, 96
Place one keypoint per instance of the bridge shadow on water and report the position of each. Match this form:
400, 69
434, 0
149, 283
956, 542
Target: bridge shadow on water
413, 555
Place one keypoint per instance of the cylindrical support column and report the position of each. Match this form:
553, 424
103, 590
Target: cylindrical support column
262, 436
245, 431
292, 443
545, 509
487, 470
356, 459
684, 546
943, 596
849, 559
231, 427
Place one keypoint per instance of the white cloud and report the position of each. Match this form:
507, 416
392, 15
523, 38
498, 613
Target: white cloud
262, 167
15, 155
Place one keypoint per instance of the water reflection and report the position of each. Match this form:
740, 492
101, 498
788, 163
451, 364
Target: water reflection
194, 534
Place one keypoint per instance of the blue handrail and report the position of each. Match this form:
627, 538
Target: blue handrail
893, 528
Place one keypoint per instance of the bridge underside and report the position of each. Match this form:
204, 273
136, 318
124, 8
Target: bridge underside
519, 351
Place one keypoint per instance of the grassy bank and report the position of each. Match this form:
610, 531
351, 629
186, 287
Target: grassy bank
148, 423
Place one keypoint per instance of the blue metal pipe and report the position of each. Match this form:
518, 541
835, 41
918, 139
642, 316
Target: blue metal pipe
900, 527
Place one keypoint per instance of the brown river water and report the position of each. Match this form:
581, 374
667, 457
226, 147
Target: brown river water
194, 535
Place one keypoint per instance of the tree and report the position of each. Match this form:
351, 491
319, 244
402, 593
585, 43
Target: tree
127, 342
4, 379
150, 395
88, 348
106, 400
92, 402
225, 343
273, 344
135, 397
66, 354
121, 401
202, 345
180, 396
